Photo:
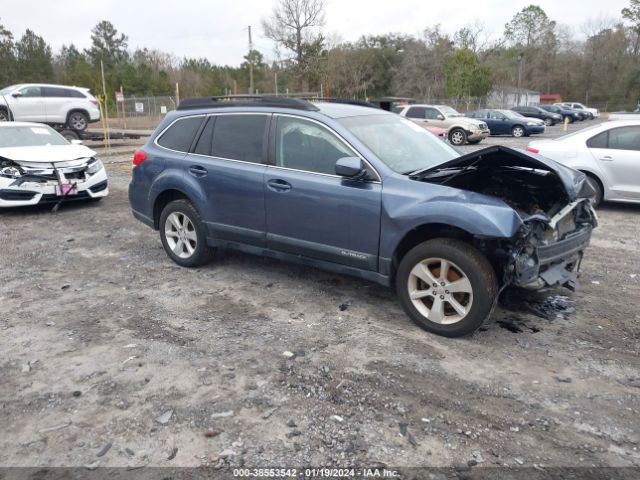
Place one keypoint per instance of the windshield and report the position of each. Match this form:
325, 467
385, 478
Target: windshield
7, 90
29, 136
404, 146
449, 112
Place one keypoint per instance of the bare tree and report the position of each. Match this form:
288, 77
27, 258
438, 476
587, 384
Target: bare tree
295, 26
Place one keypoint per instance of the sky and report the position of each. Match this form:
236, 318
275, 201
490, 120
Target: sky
217, 30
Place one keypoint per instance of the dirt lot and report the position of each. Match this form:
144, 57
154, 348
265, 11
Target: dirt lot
114, 356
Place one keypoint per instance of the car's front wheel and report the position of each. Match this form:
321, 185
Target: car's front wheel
457, 136
548, 122
183, 234
4, 115
446, 286
517, 131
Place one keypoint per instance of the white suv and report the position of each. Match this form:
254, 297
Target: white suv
73, 107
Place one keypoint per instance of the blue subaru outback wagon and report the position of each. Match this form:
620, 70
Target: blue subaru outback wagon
360, 191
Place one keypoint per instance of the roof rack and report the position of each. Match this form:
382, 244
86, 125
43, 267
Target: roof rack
245, 101
347, 101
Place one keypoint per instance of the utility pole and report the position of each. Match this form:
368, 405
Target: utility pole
250, 63
519, 77
106, 108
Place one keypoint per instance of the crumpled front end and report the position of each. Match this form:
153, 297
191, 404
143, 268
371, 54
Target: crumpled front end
24, 183
548, 251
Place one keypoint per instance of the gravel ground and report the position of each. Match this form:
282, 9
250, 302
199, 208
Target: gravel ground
115, 356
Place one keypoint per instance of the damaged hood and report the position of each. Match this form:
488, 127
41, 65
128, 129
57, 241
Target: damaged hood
499, 156
47, 154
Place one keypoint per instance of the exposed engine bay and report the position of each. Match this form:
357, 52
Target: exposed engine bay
552, 201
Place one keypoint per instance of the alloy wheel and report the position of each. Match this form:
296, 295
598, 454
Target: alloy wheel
440, 291
180, 234
457, 138
548, 122
518, 132
78, 121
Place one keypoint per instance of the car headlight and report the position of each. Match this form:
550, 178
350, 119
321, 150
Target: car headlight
94, 167
532, 124
10, 169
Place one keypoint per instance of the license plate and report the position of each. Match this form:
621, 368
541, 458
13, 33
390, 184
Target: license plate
66, 189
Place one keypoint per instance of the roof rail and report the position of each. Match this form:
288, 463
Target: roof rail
245, 101
347, 101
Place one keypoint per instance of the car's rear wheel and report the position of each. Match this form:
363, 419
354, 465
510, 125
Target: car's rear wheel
183, 234
517, 131
457, 136
78, 121
446, 286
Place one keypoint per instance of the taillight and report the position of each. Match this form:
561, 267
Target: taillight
533, 150
139, 157
94, 101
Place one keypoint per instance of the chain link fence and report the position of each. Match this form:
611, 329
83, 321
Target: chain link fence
141, 113
145, 113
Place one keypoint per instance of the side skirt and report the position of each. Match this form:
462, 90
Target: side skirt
301, 260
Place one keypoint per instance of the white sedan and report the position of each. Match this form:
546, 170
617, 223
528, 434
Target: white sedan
609, 153
38, 165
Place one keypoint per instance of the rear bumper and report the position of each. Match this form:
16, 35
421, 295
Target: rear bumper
529, 129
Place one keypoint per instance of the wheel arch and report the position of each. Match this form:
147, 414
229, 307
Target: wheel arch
422, 233
163, 199
81, 110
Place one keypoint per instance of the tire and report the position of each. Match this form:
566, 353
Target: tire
457, 137
595, 184
4, 115
549, 122
477, 294
70, 134
187, 247
518, 131
78, 121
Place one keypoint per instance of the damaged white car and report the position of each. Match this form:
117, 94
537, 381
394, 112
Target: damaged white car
38, 165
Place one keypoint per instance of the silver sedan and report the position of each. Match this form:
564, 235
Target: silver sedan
609, 153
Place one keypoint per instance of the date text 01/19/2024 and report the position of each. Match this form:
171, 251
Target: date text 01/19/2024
315, 473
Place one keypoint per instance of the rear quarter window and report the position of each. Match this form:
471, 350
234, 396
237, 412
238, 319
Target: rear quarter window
179, 136
599, 141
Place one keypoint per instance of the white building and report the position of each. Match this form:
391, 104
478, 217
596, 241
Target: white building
507, 97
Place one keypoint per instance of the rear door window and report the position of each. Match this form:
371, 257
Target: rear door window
599, 141
54, 92
416, 112
179, 136
240, 137
624, 138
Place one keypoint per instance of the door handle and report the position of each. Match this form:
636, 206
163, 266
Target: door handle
607, 158
279, 185
197, 171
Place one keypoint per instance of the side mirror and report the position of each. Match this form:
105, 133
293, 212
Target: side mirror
76, 142
350, 167
440, 117
16, 94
